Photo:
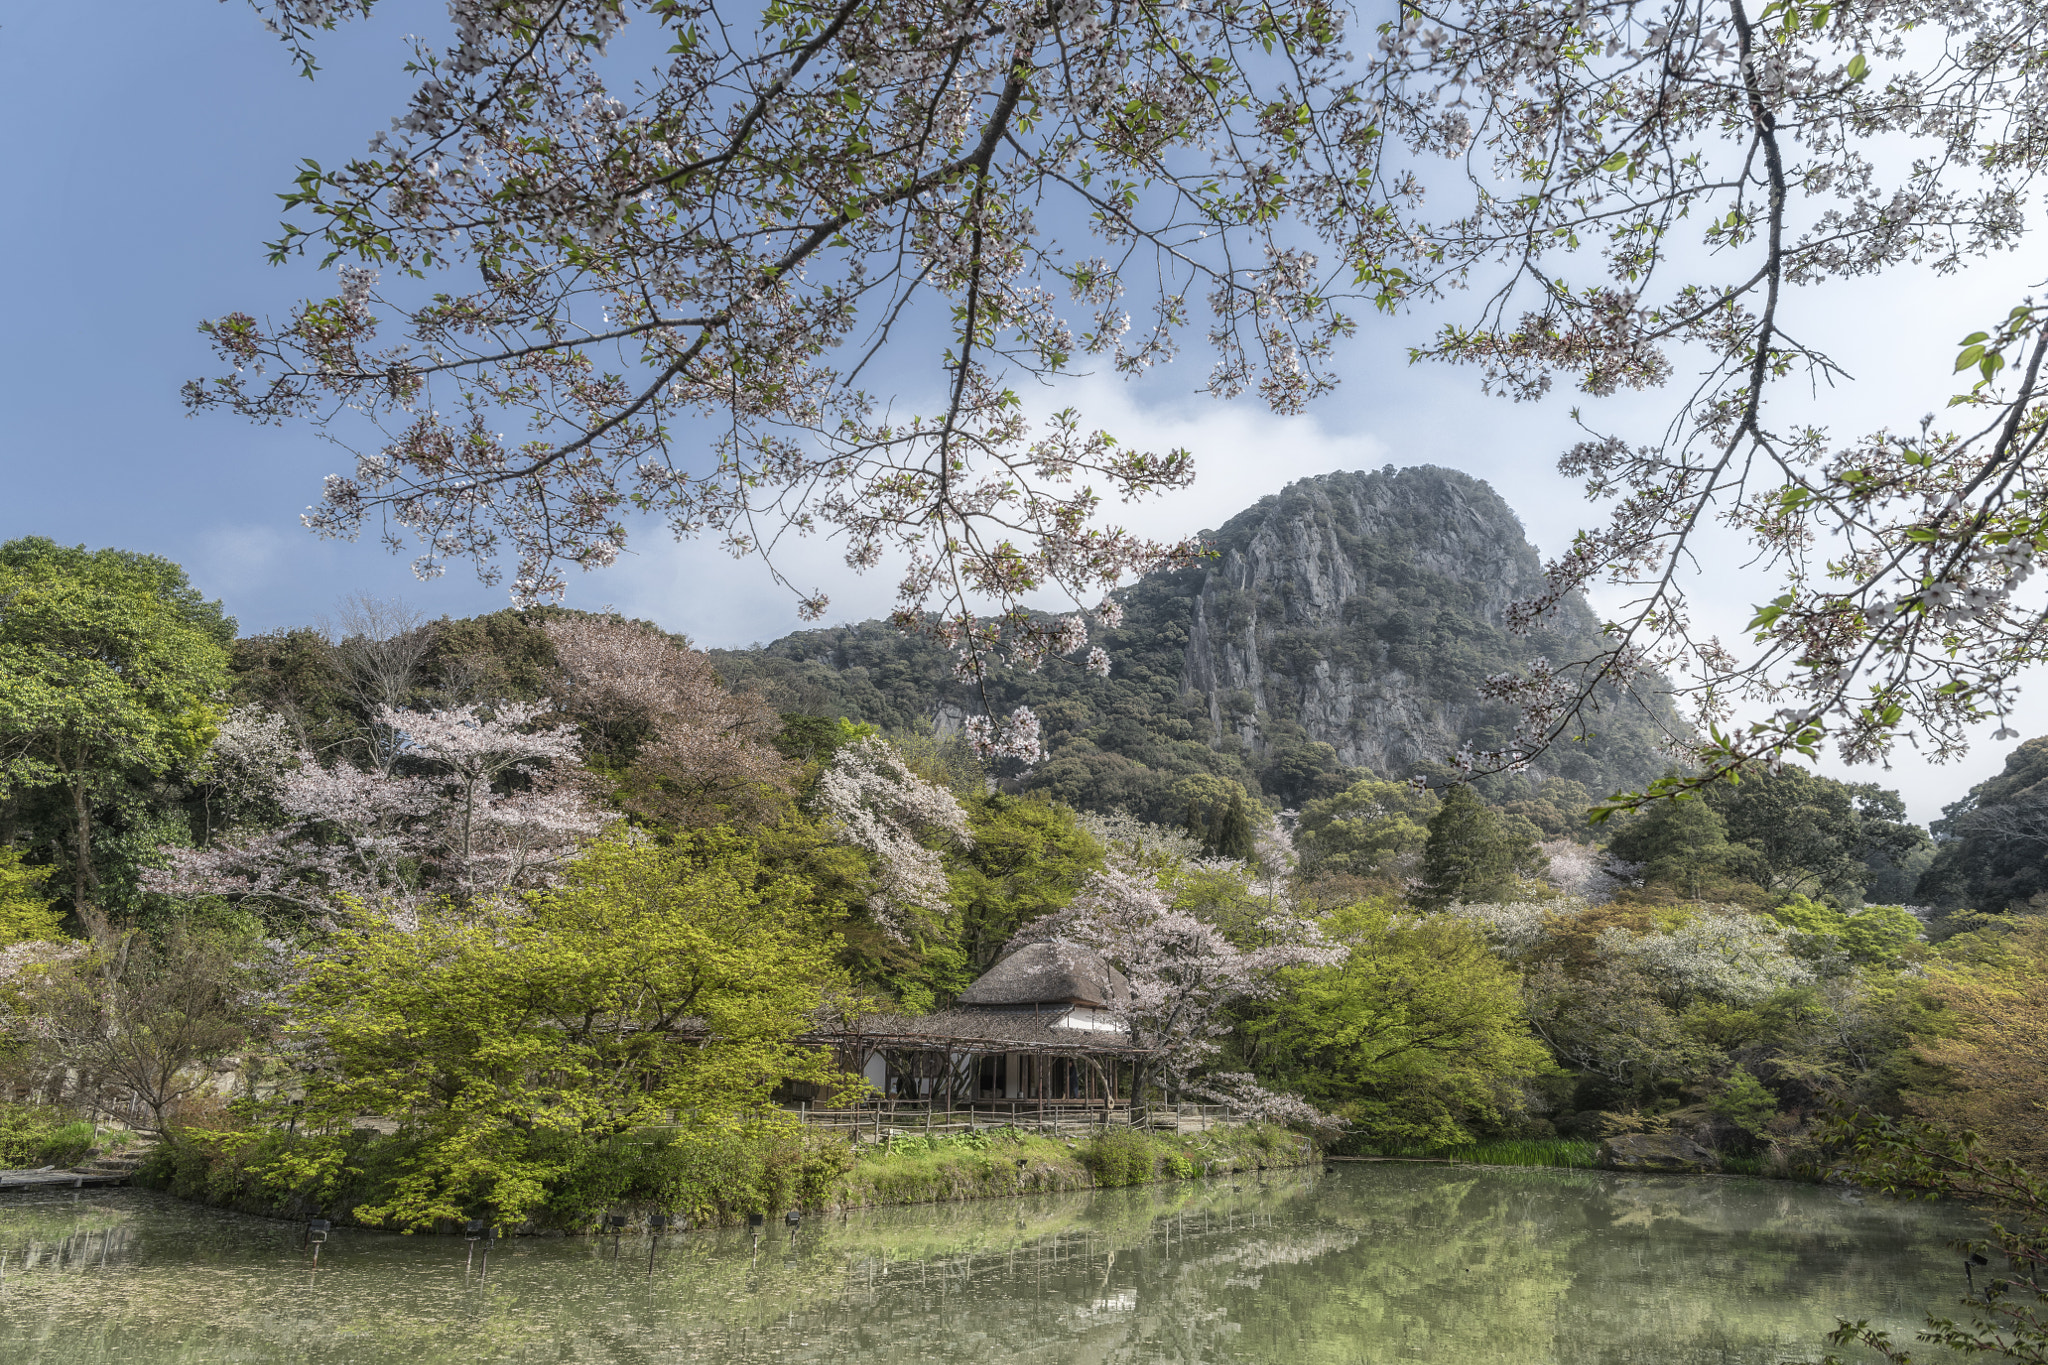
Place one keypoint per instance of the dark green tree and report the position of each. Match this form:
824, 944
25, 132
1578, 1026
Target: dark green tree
1680, 843
1473, 854
109, 663
1992, 850
1792, 832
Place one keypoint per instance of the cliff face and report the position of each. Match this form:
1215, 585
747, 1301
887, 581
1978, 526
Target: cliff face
1344, 623
1363, 606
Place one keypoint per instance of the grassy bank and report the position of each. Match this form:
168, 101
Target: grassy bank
33, 1135
1572, 1153
712, 1177
998, 1162
1579, 1154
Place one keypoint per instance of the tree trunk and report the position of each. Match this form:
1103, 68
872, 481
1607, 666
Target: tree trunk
82, 879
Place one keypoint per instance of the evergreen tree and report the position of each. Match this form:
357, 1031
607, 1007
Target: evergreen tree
1472, 854
1679, 843
1231, 836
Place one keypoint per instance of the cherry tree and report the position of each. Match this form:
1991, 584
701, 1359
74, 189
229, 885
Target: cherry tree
783, 276
242, 771
398, 841
697, 749
878, 805
821, 242
1629, 190
1183, 973
1584, 872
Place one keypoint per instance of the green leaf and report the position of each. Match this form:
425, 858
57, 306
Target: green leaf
1859, 67
1615, 162
1970, 356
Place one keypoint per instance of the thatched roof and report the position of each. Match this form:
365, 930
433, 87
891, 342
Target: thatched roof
973, 1030
1050, 974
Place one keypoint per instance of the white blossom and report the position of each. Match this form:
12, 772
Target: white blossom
877, 804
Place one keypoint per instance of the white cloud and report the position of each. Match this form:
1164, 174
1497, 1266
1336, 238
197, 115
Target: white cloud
232, 560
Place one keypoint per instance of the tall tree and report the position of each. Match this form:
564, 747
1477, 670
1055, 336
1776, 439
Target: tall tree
1681, 843
108, 663
1793, 832
1993, 844
1472, 853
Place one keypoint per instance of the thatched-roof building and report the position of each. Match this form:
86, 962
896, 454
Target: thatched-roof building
1044, 1025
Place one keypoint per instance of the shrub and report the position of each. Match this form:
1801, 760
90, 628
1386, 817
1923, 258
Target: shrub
1181, 1167
1120, 1157
36, 1135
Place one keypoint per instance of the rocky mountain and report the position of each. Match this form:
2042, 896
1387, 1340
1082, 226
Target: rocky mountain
1345, 623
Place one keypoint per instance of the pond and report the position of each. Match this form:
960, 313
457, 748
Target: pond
1374, 1263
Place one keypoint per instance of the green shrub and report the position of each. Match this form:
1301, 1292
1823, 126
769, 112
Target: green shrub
1119, 1157
34, 1135
1181, 1167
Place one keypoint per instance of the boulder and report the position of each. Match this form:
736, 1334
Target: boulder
1657, 1152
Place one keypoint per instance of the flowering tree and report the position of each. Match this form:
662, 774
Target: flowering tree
242, 772
693, 748
880, 806
1802, 143
1585, 872
727, 250
398, 841
1183, 972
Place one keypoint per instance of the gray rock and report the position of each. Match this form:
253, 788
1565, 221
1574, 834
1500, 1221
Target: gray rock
1657, 1152
1359, 609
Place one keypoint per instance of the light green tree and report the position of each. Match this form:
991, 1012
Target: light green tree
1415, 1036
1880, 934
25, 912
654, 981
1028, 858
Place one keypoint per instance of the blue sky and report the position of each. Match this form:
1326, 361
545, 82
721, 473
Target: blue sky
146, 144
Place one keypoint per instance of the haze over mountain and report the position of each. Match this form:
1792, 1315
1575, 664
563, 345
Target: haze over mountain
1344, 623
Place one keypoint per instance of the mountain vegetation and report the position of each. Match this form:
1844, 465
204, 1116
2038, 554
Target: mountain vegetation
1341, 629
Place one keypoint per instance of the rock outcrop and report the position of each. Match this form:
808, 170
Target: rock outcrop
1671, 1152
1344, 623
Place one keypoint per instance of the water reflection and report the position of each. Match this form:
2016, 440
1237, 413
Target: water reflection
1374, 1264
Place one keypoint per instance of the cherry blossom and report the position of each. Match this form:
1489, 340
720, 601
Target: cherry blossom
702, 287
1183, 973
395, 842
877, 804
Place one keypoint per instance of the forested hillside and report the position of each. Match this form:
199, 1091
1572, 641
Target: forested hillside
1339, 628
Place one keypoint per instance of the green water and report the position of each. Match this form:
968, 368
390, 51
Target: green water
1378, 1263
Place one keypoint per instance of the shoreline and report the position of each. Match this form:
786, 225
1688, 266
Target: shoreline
901, 1171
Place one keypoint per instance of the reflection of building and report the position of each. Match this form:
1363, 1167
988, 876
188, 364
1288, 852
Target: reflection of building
1041, 1029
